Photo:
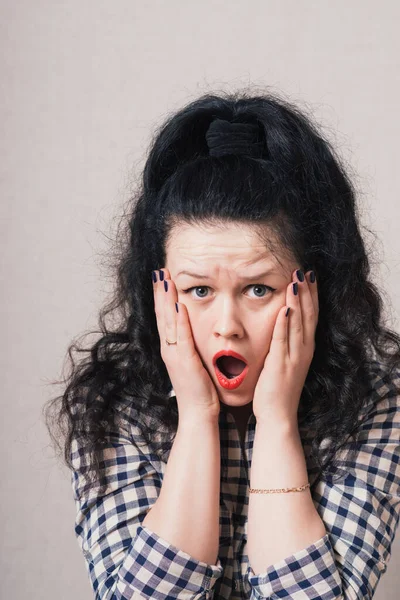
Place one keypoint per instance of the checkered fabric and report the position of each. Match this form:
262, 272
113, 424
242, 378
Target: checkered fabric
360, 507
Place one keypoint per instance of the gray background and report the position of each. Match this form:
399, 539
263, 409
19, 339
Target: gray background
84, 84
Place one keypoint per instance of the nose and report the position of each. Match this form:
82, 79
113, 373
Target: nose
227, 322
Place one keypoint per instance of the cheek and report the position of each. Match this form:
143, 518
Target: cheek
262, 332
262, 344
198, 330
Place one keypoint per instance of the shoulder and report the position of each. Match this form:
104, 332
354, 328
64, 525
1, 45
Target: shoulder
147, 433
384, 392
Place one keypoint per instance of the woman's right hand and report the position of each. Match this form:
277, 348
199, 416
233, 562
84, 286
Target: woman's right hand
195, 391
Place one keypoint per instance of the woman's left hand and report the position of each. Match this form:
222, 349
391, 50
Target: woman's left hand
278, 390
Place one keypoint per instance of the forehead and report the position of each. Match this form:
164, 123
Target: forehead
235, 244
227, 235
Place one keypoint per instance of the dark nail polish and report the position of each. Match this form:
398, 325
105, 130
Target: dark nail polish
154, 276
312, 276
161, 275
295, 288
166, 285
176, 306
287, 312
300, 275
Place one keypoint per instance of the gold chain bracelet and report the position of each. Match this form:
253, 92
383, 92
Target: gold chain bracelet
276, 491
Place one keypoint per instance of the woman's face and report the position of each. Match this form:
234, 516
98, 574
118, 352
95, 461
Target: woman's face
235, 302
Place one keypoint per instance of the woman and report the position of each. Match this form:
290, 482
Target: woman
236, 434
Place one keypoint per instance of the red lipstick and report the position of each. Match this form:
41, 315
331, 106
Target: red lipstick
224, 381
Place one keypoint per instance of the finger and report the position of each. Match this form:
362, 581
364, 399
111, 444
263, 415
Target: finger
158, 305
309, 309
186, 347
279, 342
295, 332
306, 311
314, 293
159, 302
170, 326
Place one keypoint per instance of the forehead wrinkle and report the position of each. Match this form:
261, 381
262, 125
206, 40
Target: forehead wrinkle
195, 252
232, 272
206, 265
224, 263
201, 250
240, 277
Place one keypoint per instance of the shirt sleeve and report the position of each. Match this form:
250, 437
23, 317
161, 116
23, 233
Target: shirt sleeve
124, 559
360, 506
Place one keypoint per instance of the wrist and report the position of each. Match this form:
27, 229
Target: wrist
198, 419
277, 427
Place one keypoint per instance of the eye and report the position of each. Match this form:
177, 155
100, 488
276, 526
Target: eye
255, 285
260, 286
202, 287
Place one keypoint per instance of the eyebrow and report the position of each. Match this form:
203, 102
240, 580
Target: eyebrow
245, 277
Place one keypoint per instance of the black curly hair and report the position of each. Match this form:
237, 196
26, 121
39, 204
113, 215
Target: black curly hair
300, 188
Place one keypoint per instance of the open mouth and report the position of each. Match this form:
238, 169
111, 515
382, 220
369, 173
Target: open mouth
230, 370
230, 366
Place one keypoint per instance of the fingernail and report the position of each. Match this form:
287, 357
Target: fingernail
154, 276
166, 285
312, 276
295, 288
300, 275
176, 306
161, 275
287, 312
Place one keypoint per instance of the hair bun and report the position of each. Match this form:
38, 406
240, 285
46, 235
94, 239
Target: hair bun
224, 137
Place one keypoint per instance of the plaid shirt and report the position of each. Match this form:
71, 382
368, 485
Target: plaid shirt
360, 510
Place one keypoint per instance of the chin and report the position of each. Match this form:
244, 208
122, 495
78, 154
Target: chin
235, 401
